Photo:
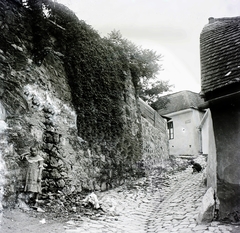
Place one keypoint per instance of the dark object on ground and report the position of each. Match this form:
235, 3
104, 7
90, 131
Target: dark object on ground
196, 166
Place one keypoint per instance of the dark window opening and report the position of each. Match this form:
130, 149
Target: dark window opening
170, 130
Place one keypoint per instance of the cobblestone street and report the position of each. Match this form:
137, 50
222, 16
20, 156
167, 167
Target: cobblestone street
160, 203
168, 206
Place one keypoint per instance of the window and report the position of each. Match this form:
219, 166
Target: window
170, 130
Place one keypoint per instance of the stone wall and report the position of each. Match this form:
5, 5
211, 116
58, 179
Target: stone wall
155, 138
85, 121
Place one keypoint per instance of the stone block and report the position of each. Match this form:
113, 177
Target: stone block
206, 213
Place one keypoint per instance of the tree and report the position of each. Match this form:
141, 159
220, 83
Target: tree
144, 66
152, 93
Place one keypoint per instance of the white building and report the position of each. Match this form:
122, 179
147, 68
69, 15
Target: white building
183, 125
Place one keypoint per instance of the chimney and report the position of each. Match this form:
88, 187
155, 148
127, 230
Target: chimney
211, 20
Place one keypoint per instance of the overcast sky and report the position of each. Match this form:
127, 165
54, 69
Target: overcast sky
169, 27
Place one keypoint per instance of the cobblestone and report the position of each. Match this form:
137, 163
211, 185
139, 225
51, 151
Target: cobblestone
158, 208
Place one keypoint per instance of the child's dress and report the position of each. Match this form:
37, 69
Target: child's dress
33, 176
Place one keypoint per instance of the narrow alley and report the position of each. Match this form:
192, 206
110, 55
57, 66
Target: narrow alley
168, 206
161, 203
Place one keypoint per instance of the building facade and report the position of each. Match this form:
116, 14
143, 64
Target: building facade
183, 120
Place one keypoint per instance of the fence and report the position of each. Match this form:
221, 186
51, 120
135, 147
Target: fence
151, 115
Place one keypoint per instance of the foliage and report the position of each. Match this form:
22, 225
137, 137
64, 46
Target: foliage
142, 62
160, 103
144, 66
106, 54
153, 93
99, 57
95, 69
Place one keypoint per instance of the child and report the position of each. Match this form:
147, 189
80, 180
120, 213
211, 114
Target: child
34, 174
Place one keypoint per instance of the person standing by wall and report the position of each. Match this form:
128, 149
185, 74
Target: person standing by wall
33, 175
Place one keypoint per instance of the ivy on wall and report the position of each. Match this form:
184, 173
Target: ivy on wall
99, 76
96, 70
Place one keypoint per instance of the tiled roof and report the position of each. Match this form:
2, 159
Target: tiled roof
181, 100
220, 54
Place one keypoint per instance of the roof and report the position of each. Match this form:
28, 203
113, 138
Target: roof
220, 55
180, 101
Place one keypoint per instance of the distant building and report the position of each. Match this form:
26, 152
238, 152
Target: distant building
220, 76
184, 120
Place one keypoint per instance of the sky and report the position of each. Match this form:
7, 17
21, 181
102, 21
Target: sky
170, 27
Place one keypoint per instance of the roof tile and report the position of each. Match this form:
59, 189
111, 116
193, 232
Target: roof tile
220, 53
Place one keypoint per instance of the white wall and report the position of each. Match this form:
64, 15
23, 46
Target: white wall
209, 148
205, 124
186, 139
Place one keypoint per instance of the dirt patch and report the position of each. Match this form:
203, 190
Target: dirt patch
19, 221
